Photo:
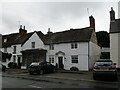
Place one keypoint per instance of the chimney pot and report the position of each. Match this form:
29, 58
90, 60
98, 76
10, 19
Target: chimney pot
112, 14
20, 26
24, 27
92, 22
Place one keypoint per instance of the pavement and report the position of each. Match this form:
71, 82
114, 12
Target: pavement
62, 74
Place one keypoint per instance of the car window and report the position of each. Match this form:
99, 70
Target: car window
48, 63
35, 63
104, 63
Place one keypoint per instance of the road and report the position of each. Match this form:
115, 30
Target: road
8, 82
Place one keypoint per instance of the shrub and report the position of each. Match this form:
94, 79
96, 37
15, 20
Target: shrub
74, 69
12, 65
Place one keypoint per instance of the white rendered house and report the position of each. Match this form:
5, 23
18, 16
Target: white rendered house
66, 49
114, 38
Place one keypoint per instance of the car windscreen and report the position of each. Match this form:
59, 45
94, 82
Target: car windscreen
35, 63
104, 63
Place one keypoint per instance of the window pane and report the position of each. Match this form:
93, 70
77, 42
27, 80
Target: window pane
51, 58
51, 47
74, 59
33, 44
73, 45
14, 49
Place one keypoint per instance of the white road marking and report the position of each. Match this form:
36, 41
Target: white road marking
35, 86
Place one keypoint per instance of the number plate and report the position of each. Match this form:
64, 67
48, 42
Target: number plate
103, 68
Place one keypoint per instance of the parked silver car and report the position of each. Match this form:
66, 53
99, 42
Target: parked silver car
104, 68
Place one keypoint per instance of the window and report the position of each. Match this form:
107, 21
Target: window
32, 44
73, 45
5, 40
74, 59
5, 49
51, 47
14, 59
14, 49
51, 58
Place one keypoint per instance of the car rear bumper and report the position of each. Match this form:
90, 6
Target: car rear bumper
107, 73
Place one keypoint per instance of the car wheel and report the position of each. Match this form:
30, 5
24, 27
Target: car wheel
94, 77
115, 78
30, 73
53, 70
41, 72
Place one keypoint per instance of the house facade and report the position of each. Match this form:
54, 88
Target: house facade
66, 49
114, 38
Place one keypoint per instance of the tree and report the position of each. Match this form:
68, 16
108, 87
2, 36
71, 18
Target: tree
103, 38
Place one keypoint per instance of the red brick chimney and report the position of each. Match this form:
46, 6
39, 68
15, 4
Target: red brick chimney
22, 31
92, 22
112, 14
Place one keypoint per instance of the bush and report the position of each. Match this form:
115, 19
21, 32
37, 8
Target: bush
12, 65
74, 69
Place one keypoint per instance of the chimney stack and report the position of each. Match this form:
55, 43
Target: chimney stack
22, 31
92, 22
112, 14
49, 32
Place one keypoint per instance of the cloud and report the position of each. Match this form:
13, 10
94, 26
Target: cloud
56, 15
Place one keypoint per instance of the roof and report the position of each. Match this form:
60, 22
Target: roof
72, 35
115, 26
14, 38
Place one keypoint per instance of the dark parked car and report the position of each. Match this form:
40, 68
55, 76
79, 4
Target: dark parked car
2, 67
104, 68
41, 67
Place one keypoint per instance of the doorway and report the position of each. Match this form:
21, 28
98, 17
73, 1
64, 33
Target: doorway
19, 63
60, 63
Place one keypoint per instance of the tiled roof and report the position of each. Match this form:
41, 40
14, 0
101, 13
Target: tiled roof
15, 38
115, 26
73, 35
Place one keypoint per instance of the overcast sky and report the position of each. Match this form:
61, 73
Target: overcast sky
58, 16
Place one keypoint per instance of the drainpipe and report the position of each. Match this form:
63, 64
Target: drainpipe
88, 54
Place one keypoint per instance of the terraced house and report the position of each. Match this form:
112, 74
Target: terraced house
65, 49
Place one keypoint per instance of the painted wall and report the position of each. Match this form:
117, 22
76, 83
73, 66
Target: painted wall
18, 52
114, 48
81, 51
9, 50
94, 53
34, 38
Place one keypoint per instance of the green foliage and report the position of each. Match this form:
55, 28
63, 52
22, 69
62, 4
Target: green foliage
103, 39
105, 55
6, 55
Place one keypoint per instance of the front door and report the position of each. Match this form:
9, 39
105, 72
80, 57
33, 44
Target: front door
19, 64
60, 62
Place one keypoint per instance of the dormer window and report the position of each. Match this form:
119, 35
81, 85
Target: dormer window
5, 40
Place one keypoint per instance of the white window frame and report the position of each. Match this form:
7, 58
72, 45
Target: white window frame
74, 59
51, 58
74, 45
